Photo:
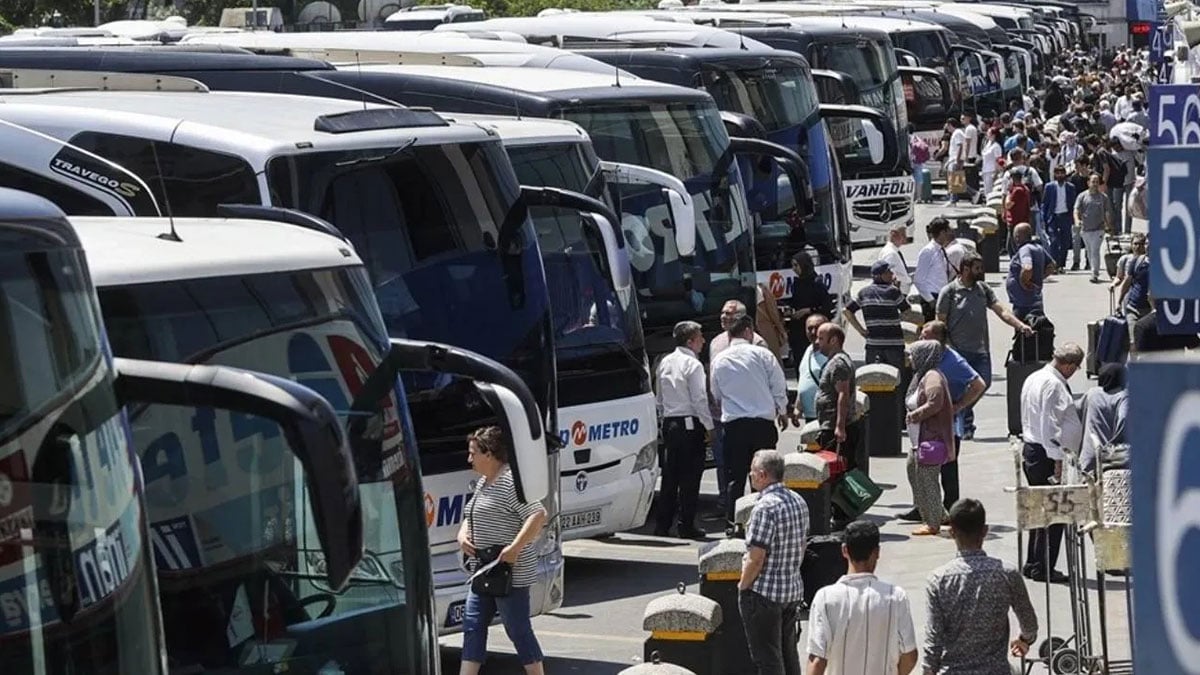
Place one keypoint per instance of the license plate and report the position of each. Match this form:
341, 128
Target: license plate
574, 521
454, 615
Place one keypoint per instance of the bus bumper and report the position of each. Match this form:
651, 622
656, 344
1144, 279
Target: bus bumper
613, 506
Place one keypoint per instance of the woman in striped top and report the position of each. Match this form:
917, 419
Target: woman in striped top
496, 517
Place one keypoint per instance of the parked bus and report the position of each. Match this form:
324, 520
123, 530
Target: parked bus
396, 182
242, 581
76, 580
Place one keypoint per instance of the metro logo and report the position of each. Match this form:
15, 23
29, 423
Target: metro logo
580, 432
446, 510
776, 285
880, 189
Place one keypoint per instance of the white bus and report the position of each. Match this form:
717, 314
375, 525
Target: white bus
431, 206
77, 587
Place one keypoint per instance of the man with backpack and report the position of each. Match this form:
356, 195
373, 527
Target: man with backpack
1119, 174
1020, 206
1027, 273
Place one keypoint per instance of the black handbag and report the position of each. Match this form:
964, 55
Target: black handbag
496, 582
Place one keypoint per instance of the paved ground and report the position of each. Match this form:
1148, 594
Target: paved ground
598, 629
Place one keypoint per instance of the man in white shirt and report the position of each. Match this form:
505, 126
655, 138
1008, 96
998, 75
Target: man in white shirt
861, 625
730, 311
891, 254
937, 264
1050, 425
956, 158
683, 405
748, 382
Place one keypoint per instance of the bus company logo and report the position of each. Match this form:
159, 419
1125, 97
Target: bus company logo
581, 481
445, 510
880, 189
776, 284
582, 432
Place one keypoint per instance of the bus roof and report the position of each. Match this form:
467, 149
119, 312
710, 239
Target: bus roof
884, 23
125, 251
163, 60
252, 125
615, 26
516, 131
561, 85
23, 209
489, 52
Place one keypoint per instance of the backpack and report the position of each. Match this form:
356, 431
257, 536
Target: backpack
1019, 205
1116, 170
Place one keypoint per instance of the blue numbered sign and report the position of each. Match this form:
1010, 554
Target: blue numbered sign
1164, 433
1177, 317
1175, 114
1174, 196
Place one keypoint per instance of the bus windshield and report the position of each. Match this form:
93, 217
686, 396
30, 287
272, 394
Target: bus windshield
688, 141
785, 101
240, 568
76, 585
430, 223
872, 68
597, 331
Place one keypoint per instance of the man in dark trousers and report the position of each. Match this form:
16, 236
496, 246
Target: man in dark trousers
686, 419
748, 383
1058, 207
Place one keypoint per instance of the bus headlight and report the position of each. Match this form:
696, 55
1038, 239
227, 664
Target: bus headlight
647, 457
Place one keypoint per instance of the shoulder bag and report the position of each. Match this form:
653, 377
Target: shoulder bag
496, 582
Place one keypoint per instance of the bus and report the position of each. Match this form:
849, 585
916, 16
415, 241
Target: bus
433, 208
242, 583
607, 478
608, 423
77, 583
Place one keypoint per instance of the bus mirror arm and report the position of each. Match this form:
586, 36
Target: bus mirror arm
891, 155
600, 214
675, 192
418, 356
309, 425
790, 162
615, 253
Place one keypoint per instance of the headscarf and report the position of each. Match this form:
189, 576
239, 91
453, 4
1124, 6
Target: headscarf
1111, 377
925, 356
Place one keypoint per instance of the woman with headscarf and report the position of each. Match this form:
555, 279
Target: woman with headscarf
1104, 409
809, 296
930, 432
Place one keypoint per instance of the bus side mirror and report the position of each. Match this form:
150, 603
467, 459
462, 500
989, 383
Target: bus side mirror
675, 194
309, 425
508, 397
614, 251
602, 218
791, 163
836, 87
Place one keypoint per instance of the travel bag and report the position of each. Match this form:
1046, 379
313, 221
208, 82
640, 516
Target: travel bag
823, 564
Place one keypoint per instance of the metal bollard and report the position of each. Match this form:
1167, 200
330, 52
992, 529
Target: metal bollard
880, 382
808, 476
682, 629
720, 569
656, 667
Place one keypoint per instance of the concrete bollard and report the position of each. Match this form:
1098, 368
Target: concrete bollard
912, 331
682, 629
656, 667
913, 315
807, 475
741, 510
720, 569
808, 437
881, 383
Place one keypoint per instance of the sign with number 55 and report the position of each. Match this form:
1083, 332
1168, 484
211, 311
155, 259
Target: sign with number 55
1175, 114
1174, 200
1164, 434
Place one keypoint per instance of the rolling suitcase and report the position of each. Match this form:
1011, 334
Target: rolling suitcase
823, 564
1016, 370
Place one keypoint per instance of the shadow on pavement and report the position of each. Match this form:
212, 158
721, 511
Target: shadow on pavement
592, 579
507, 664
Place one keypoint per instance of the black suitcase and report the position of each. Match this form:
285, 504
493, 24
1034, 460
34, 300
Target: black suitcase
823, 564
1092, 361
1015, 373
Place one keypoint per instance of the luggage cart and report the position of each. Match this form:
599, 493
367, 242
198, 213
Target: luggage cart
1088, 516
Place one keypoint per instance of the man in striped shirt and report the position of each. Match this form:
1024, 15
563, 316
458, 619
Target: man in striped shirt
881, 303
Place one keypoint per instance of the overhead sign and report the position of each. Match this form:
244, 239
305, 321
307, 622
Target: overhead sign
1162, 40
1174, 114
1174, 199
1177, 317
1164, 434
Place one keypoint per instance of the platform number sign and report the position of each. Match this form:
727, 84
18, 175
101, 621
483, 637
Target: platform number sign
1164, 432
1173, 180
1161, 42
1174, 115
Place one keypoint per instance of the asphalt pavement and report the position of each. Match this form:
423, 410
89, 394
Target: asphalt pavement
598, 629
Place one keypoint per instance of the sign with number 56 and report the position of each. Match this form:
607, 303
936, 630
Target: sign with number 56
1164, 434
1174, 200
1175, 114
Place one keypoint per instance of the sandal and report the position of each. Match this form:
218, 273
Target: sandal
925, 531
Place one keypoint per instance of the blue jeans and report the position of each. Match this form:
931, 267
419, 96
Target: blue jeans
514, 614
982, 363
1059, 229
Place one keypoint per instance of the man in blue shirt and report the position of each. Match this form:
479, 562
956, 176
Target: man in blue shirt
1026, 273
966, 387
